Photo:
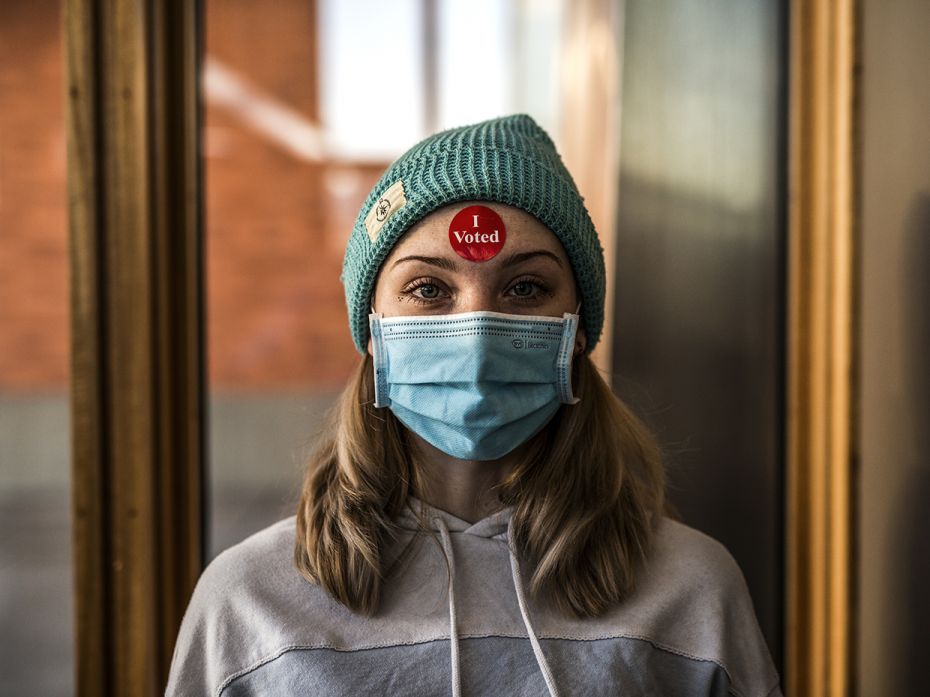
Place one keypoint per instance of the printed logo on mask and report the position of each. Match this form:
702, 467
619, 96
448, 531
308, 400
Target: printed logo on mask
477, 233
528, 344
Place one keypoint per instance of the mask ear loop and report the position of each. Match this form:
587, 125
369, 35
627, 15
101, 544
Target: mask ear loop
379, 361
564, 360
578, 312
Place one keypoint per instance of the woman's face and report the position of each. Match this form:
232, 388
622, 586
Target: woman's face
531, 275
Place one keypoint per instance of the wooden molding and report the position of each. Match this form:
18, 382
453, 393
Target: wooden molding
820, 373
590, 135
137, 346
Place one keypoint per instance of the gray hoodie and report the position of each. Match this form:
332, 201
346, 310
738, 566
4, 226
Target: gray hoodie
254, 626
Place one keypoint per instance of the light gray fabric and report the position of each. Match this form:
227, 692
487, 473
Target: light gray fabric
490, 666
255, 627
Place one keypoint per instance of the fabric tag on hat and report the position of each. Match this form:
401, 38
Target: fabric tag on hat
387, 205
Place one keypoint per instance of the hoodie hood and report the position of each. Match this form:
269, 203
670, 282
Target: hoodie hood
495, 526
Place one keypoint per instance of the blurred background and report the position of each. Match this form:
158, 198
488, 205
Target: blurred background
307, 101
319, 98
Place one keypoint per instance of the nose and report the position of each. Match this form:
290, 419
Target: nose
472, 298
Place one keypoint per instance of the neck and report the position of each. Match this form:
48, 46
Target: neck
464, 488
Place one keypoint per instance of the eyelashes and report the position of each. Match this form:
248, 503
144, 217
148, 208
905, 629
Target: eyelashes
423, 285
538, 289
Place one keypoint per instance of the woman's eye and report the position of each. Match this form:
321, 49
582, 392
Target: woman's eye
428, 291
423, 292
529, 290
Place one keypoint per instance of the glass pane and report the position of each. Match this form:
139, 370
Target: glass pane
278, 348
700, 208
36, 607
293, 146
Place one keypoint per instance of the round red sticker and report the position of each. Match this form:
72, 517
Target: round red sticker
477, 233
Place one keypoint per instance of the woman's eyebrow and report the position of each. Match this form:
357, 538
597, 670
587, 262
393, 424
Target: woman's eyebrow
441, 262
512, 260
520, 257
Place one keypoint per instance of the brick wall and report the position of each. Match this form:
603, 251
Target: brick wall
33, 217
276, 224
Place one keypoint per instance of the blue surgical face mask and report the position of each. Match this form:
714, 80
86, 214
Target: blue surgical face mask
475, 384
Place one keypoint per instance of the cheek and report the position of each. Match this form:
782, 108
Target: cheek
385, 297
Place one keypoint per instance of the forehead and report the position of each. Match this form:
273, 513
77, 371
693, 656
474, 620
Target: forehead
430, 235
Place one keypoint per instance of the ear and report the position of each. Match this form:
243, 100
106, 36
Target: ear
581, 342
370, 352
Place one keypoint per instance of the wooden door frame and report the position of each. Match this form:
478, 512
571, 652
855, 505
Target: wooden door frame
590, 80
823, 285
137, 347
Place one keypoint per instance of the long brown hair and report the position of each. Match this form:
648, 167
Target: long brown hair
586, 497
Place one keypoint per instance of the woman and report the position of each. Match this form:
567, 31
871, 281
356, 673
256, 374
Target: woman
483, 516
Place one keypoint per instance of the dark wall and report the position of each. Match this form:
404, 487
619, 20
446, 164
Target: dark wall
699, 328
893, 547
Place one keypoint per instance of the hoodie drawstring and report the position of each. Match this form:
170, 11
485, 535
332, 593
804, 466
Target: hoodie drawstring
537, 649
521, 601
453, 623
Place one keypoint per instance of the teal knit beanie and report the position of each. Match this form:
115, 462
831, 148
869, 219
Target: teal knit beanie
508, 160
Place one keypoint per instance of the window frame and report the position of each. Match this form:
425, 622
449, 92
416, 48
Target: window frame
137, 380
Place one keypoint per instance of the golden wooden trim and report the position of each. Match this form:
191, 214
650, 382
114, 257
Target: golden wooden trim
590, 137
179, 257
820, 350
137, 373
87, 449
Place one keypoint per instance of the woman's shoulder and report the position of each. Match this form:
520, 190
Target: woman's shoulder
692, 599
242, 611
257, 557
689, 574
690, 612
682, 552
258, 580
